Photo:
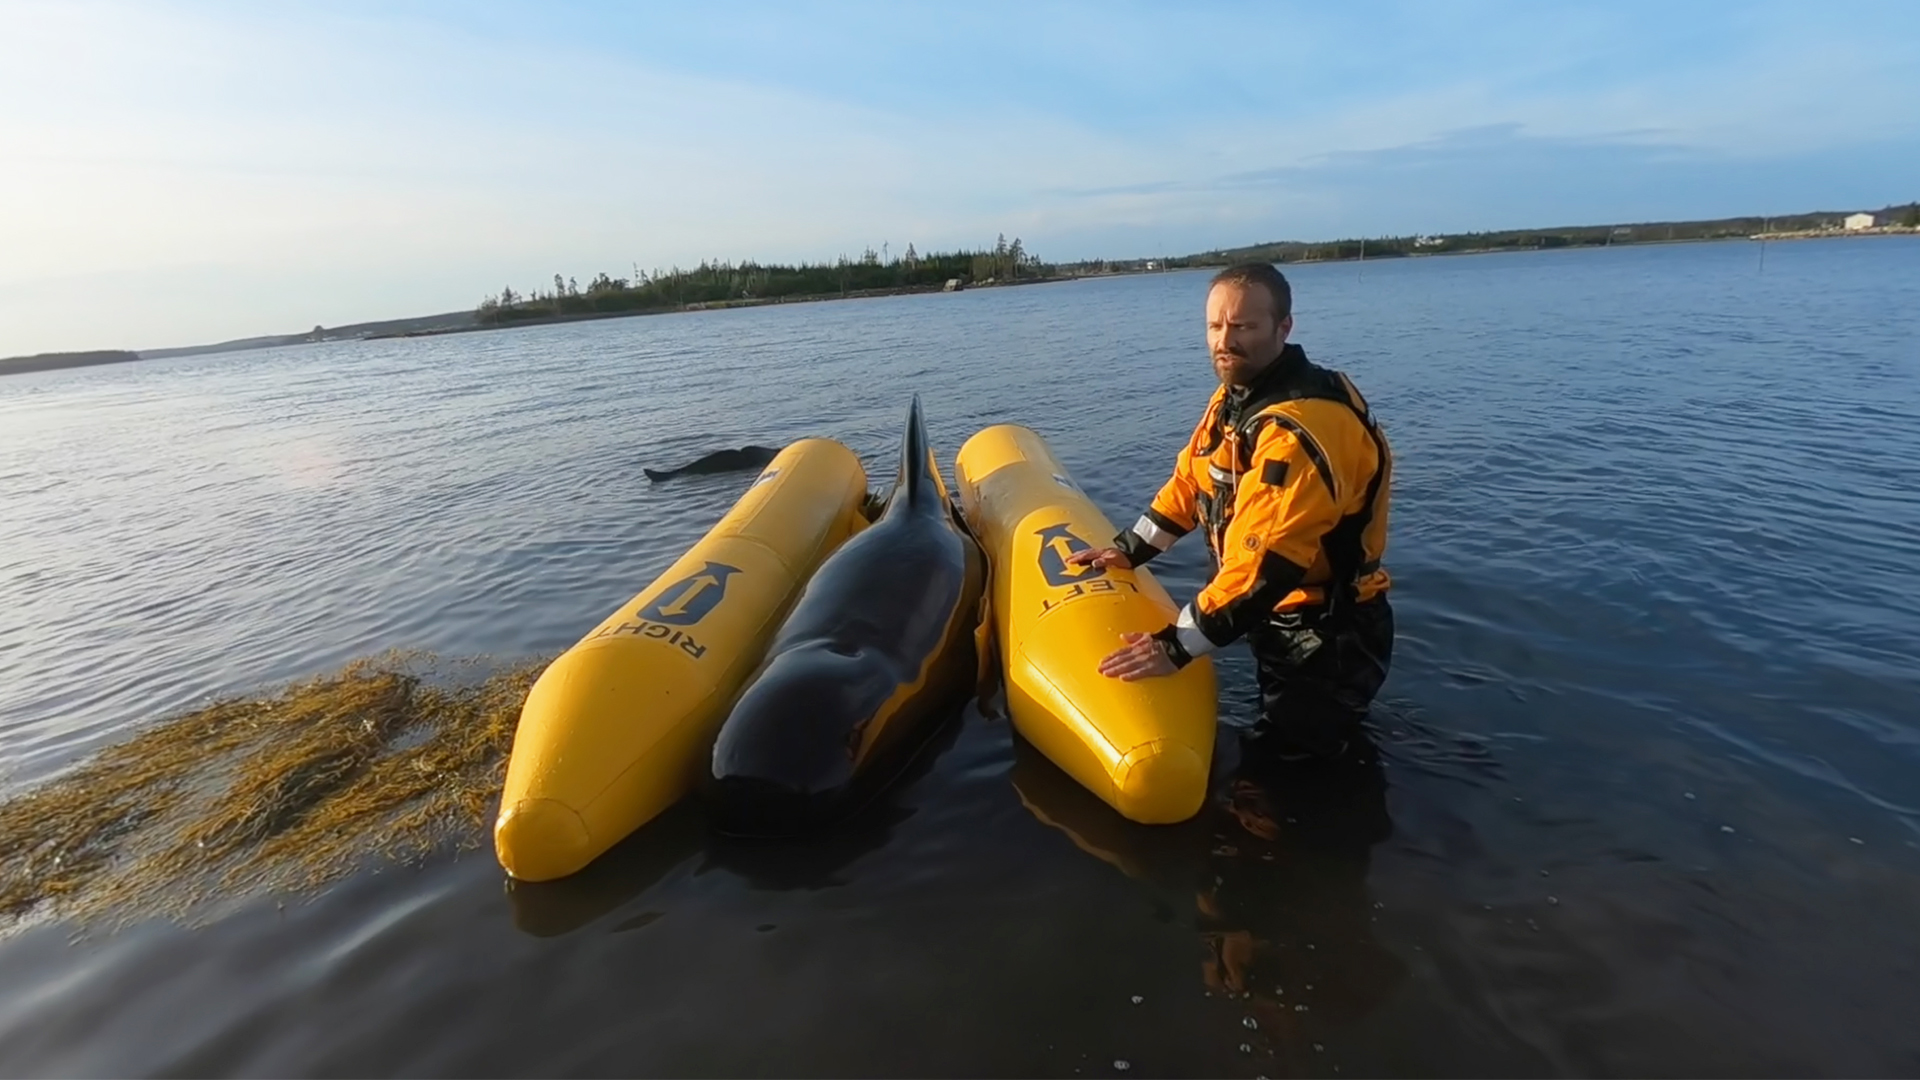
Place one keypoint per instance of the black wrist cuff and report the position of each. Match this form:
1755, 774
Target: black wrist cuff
1134, 547
1169, 641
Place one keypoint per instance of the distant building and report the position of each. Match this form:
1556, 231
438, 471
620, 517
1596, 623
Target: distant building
1858, 221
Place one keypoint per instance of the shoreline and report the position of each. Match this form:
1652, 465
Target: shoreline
23, 365
96, 358
1838, 234
1054, 279
1805, 234
718, 305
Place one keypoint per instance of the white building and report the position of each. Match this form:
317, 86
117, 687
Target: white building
1858, 221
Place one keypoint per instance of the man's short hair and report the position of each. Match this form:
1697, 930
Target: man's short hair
1263, 275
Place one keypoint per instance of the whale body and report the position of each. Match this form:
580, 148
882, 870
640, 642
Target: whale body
876, 655
747, 457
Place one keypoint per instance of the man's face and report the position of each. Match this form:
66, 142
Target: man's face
1241, 333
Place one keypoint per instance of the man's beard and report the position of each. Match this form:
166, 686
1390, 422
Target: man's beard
1233, 367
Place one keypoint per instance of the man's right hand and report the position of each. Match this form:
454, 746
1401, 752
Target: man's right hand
1102, 557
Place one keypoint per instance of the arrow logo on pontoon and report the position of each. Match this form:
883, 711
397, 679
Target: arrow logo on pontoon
692, 598
1056, 543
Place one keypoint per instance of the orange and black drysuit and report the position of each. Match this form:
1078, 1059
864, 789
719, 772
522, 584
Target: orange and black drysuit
1290, 479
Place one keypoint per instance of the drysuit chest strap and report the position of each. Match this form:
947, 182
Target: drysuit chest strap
1343, 545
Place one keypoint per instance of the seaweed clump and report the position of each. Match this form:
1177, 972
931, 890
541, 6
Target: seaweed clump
283, 792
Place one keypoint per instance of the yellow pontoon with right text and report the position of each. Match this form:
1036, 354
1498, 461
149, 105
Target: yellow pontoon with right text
618, 727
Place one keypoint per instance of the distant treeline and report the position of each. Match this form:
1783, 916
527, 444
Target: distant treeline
1532, 239
718, 283
721, 284
55, 361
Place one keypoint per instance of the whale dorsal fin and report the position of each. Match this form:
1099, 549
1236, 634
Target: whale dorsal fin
919, 482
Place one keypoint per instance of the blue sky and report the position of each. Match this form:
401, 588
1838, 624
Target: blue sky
179, 173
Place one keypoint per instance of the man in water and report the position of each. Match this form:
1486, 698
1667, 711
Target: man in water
1290, 479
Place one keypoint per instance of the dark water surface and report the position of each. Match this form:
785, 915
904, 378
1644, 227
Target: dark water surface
1650, 793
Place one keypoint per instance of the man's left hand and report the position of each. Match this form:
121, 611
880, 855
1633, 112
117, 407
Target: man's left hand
1140, 658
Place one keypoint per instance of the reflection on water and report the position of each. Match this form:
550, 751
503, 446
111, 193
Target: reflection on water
1643, 803
810, 862
1290, 919
819, 860
1272, 873
629, 868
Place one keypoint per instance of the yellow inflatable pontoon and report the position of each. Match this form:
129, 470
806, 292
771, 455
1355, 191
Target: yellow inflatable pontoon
1144, 747
616, 728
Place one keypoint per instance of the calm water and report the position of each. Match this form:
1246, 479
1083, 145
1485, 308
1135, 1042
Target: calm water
1650, 800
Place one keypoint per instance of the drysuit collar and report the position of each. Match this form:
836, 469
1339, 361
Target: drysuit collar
1288, 366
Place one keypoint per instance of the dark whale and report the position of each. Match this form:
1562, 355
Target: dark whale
747, 457
877, 653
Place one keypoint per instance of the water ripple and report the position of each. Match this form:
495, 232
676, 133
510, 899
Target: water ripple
1657, 558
